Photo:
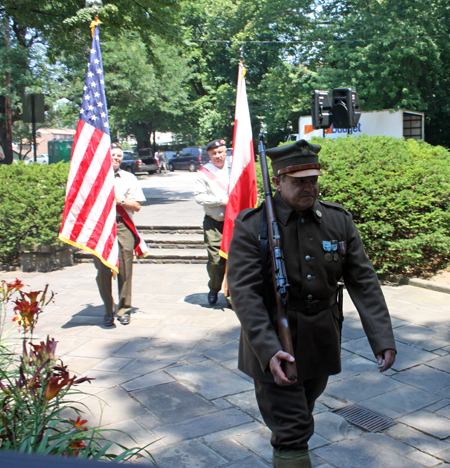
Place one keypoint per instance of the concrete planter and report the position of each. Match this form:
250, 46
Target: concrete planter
45, 258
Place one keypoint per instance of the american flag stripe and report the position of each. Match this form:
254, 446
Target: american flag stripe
89, 218
111, 248
81, 159
92, 193
104, 242
82, 205
96, 234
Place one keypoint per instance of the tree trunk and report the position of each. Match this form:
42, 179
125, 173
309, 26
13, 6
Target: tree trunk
8, 115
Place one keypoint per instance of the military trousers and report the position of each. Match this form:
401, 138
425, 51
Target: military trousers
213, 230
287, 411
126, 241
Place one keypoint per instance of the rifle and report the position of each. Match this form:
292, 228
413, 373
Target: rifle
279, 277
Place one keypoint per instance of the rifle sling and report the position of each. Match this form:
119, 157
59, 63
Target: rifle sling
264, 249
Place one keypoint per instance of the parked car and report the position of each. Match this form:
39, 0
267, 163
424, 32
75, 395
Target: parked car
149, 163
130, 162
191, 158
170, 155
40, 159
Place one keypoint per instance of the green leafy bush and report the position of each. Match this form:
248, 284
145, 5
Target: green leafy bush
398, 192
31, 205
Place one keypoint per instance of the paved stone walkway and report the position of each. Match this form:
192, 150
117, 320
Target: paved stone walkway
170, 377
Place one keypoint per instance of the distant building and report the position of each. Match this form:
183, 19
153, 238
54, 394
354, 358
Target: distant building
43, 136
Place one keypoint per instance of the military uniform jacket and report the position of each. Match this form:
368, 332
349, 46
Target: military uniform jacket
314, 278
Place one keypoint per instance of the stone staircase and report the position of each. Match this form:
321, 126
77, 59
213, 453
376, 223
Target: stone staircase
166, 244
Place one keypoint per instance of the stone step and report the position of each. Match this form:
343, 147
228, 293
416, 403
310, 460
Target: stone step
167, 244
157, 256
181, 230
174, 241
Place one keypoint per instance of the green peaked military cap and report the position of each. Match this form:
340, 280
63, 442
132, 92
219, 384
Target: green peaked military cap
299, 159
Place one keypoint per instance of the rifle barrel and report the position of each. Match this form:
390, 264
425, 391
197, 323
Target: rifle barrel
279, 277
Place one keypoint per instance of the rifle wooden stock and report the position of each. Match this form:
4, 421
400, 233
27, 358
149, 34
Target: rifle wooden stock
279, 277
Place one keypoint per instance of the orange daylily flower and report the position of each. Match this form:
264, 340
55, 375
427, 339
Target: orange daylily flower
35, 382
54, 386
32, 295
80, 443
26, 313
8, 289
16, 285
79, 423
43, 351
60, 380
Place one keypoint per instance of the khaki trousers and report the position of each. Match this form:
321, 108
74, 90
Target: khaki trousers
287, 411
104, 274
212, 230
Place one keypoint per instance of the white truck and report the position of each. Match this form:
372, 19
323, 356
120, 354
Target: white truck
399, 124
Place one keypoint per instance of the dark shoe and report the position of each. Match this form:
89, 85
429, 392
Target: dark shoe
212, 297
124, 319
108, 320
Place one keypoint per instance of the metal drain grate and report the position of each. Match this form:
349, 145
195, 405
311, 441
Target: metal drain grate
364, 418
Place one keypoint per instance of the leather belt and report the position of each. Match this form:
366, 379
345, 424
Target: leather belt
214, 219
314, 307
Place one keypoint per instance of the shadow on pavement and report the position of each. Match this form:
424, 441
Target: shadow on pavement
201, 299
90, 315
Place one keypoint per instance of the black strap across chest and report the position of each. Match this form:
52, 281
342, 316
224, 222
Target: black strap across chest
264, 249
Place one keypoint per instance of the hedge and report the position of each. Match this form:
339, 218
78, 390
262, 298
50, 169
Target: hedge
31, 205
398, 193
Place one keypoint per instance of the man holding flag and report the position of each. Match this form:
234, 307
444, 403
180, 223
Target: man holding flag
211, 191
224, 197
128, 198
90, 216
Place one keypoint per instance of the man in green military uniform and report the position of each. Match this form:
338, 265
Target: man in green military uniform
211, 191
321, 245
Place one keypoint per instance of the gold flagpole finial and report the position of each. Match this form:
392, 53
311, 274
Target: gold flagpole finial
244, 70
94, 23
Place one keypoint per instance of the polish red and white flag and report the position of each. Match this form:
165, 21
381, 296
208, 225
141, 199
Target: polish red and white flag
242, 189
89, 217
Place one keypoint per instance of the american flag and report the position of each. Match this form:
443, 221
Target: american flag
89, 217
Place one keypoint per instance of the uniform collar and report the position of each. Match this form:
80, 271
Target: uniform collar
284, 210
118, 173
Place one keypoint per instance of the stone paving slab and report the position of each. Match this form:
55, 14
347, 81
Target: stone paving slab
418, 440
362, 453
407, 355
188, 454
334, 428
424, 377
173, 402
406, 399
201, 425
210, 379
258, 442
362, 387
430, 423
